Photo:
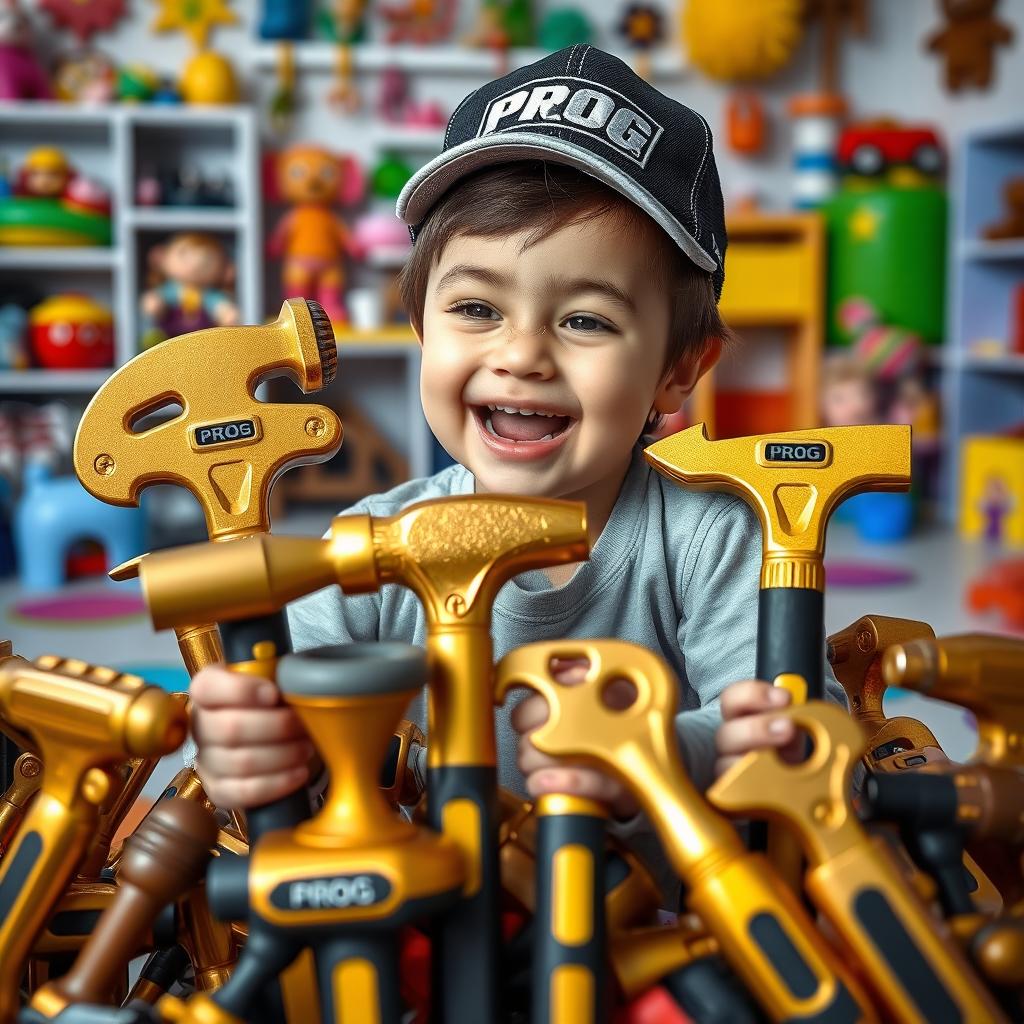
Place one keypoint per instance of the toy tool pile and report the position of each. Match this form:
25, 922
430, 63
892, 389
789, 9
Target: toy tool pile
416, 890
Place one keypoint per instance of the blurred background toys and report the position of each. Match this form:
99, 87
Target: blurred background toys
311, 239
21, 74
501, 24
418, 21
196, 19
53, 205
887, 228
1011, 225
564, 26
642, 26
191, 276
55, 518
284, 19
189, 186
87, 76
396, 105
968, 42
71, 332
992, 489
84, 17
209, 78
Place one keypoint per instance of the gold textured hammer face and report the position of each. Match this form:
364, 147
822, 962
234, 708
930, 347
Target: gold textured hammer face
793, 482
226, 447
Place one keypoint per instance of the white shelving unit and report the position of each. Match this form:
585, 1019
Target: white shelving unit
115, 144
984, 394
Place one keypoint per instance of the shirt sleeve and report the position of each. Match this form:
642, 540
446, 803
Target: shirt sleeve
717, 632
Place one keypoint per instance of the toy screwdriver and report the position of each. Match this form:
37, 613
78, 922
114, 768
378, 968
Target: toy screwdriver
84, 720
348, 879
792, 481
914, 969
27, 778
455, 554
759, 924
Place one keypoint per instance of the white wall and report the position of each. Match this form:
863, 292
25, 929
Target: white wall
888, 73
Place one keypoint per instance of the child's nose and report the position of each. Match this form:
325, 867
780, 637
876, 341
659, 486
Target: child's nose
523, 352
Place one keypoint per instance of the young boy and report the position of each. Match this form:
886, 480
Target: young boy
567, 261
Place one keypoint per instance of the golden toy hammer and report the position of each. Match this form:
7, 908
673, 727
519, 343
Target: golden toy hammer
455, 554
792, 481
84, 721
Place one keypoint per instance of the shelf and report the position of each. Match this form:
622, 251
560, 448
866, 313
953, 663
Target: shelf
1011, 364
459, 60
178, 218
28, 257
69, 381
45, 112
396, 137
986, 249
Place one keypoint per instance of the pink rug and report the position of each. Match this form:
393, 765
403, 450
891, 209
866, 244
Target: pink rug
78, 609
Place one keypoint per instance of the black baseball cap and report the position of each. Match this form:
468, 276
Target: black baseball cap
588, 109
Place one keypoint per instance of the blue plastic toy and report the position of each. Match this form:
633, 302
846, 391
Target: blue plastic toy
54, 514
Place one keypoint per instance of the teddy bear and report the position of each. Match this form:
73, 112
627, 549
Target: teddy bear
968, 41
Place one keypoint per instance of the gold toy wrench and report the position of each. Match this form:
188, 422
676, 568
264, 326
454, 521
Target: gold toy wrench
761, 928
915, 970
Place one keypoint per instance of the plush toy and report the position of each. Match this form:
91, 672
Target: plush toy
968, 42
21, 75
191, 275
86, 77
84, 17
1012, 224
418, 21
311, 238
44, 174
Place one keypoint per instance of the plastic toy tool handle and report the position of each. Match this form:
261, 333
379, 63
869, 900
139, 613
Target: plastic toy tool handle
463, 805
569, 950
359, 979
791, 636
254, 646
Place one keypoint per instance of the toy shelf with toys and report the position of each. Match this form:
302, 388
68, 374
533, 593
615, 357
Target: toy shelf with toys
131, 154
985, 388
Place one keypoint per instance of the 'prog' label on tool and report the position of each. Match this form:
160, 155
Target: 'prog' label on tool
805, 453
333, 893
229, 432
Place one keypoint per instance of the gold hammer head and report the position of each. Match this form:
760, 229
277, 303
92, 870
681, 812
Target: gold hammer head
224, 446
792, 480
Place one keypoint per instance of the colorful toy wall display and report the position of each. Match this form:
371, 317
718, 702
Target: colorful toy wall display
992, 490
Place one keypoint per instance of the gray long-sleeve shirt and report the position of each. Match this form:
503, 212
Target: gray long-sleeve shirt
674, 570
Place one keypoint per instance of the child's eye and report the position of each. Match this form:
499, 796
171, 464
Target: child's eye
586, 324
474, 310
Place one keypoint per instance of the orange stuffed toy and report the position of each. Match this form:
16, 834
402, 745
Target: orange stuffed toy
311, 239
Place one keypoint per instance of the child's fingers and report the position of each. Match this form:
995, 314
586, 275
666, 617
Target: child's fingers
240, 727
752, 733
255, 791
530, 713
569, 671
750, 697
578, 781
218, 687
264, 759
530, 759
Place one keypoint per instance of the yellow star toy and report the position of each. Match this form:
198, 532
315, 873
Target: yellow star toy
196, 17
864, 224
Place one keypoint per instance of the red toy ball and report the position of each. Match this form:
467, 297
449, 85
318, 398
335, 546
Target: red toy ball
72, 332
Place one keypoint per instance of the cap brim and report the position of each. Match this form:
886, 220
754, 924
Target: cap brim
432, 180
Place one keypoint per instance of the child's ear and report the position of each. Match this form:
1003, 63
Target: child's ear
683, 377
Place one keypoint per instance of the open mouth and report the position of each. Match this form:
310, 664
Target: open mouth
521, 426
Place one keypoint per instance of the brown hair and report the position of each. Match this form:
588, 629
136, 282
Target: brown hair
542, 198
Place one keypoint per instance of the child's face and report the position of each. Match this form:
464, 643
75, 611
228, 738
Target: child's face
575, 326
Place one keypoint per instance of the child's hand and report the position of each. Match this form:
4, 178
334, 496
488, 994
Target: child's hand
546, 774
749, 724
252, 748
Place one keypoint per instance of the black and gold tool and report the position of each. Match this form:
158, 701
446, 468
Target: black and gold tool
914, 968
855, 654
570, 984
26, 780
979, 672
84, 720
759, 924
345, 881
792, 481
455, 554
164, 857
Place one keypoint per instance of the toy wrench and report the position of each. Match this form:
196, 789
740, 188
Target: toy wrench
915, 970
763, 931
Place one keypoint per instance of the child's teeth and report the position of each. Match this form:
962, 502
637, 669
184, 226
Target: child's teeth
548, 437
